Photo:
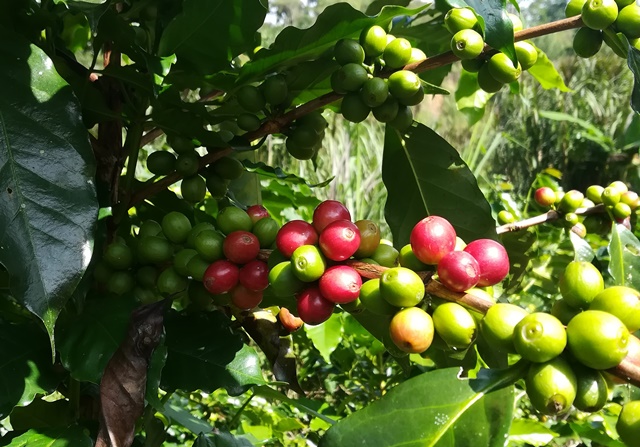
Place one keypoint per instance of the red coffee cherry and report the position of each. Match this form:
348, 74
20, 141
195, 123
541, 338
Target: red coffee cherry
327, 212
294, 234
245, 299
313, 308
241, 247
492, 258
340, 284
220, 277
340, 240
257, 212
458, 271
545, 196
254, 275
432, 238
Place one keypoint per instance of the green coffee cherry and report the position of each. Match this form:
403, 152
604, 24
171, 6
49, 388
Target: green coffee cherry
467, 44
458, 19
539, 337
397, 53
374, 92
599, 14
502, 68
188, 163
587, 42
250, 98
455, 325
403, 119
372, 300
387, 111
349, 78
574, 8
227, 168
161, 162
249, 122
354, 109
373, 40
193, 189
486, 81
401, 287
516, 22
472, 65
404, 84
611, 196
348, 51
551, 386
527, 54
597, 339
275, 90
594, 193
498, 325
591, 393
570, 201
622, 302
580, 283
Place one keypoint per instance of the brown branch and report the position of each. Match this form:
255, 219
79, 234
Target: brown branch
549, 216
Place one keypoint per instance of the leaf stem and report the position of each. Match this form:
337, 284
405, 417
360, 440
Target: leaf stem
132, 149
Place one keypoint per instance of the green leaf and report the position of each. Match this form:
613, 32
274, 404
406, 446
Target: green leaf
532, 432
268, 171
184, 418
470, 98
326, 336
203, 353
88, 340
294, 45
597, 434
546, 74
581, 248
222, 439
73, 436
301, 404
592, 133
498, 29
624, 250
25, 368
424, 175
633, 60
376, 5
48, 205
426, 411
42, 414
209, 33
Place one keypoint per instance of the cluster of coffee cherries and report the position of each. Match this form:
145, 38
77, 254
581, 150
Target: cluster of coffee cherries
602, 20
271, 96
364, 91
185, 160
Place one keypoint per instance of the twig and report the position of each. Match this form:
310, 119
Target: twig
549, 216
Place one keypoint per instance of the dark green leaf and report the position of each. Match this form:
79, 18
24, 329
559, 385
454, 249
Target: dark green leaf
294, 45
498, 30
204, 353
546, 74
87, 341
73, 436
184, 418
427, 409
376, 5
268, 171
42, 414
209, 33
222, 439
517, 244
25, 368
531, 432
48, 204
624, 252
633, 59
424, 175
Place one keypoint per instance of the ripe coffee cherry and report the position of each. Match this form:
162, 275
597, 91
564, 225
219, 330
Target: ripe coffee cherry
551, 386
327, 212
458, 271
499, 323
539, 337
492, 259
254, 275
340, 284
339, 240
502, 68
622, 302
313, 308
221, 276
411, 330
401, 287
432, 238
294, 234
628, 425
467, 44
598, 339
308, 263
545, 196
369, 238
580, 283
257, 212
289, 322
245, 299
241, 247
455, 325
457, 19
599, 14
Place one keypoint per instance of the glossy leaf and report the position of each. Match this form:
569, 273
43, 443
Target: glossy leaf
73, 436
47, 210
531, 432
470, 98
624, 252
436, 409
424, 175
25, 368
633, 59
277, 172
222, 439
42, 414
546, 74
326, 336
581, 248
204, 353
294, 45
87, 341
190, 34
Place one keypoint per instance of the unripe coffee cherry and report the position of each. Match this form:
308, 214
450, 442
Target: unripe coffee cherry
312, 307
308, 263
551, 386
570, 201
373, 40
347, 51
455, 325
432, 238
397, 53
592, 391
611, 195
221, 276
580, 283
457, 19
539, 337
599, 14
526, 54
294, 234
498, 325
628, 425
492, 259
467, 44
458, 271
339, 240
401, 287
594, 193
502, 69
369, 238
545, 196
327, 212
411, 330
598, 339
587, 42
340, 284
622, 302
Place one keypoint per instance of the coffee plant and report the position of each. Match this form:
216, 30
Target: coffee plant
142, 275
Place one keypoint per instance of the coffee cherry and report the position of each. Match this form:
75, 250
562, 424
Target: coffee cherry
492, 259
587, 42
294, 234
353, 108
254, 275
340, 284
597, 339
594, 193
574, 7
526, 53
161, 162
486, 81
621, 211
412, 100
308, 263
241, 247
275, 90
369, 238
244, 298
622, 302
339, 240
176, 227
401, 287
228, 168
599, 14
187, 163
404, 84
539, 337
372, 300
551, 386
288, 321
457, 19
630, 198
580, 283
545, 196
327, 212
388, 111
170, 282
374, 92
257, 212
197, 267
397, 53
283, 281
505, 217
455, 325
570, 201
232, 219
193, 189
118, 256
458, 271
299, 152
515, 22
373, 40
266, 230
154, 250
611, 196
409, 260
591, 392
216, 185
120, 283
221, 277
349, 78
347, 51
403, 119
411, 330
208, 244
248, 122
467, 44
385, 255
250, 98
181, 259
432, 238
312, 307
628, 425
502, 68
498, 325
149, 228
